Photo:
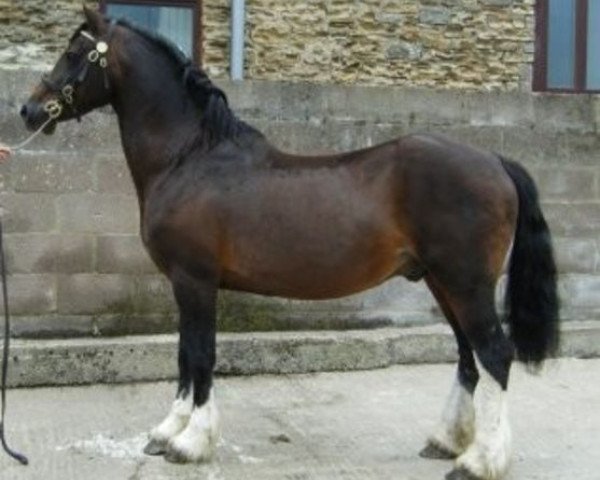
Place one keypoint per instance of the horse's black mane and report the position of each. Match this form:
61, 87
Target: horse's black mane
218, 122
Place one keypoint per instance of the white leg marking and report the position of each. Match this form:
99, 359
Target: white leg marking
456, 429
198, 441
175, 421
488, 457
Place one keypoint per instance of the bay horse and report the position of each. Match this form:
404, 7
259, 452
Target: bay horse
222, 208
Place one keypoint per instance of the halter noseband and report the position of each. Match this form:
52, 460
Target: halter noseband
65, 91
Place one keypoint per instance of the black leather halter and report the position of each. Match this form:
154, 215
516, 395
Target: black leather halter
64, 91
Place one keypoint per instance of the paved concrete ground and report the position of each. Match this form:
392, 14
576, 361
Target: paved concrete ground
355, 425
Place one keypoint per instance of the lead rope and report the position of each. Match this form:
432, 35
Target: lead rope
22, 459
54, 109
26, 142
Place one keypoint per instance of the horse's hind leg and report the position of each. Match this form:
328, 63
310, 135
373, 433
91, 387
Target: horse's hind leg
190, 430
488, 456
456, 429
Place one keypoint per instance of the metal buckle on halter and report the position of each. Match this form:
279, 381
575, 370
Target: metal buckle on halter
102, 47
53, 108
99, 54
67, 94
93, 56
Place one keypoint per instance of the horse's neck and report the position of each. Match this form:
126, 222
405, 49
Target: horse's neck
156, 120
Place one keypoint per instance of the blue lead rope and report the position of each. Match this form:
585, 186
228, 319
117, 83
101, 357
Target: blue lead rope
17, 456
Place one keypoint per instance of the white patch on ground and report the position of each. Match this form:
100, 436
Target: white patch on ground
107, 446
237, 450
224, 444
214, 473
249, 459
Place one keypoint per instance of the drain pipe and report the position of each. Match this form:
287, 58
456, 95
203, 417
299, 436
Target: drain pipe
236, 61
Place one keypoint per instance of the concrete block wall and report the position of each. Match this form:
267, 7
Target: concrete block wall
70, 213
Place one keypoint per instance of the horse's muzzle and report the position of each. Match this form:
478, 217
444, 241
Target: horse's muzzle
34, 115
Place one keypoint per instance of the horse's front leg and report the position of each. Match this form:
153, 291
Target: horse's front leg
190, 431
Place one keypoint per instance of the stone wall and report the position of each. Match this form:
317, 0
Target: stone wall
32, 32
449, 44
77, 265
474, 44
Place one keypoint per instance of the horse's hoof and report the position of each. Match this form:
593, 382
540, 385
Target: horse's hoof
155, 447
175, 456
461, 473
436, 452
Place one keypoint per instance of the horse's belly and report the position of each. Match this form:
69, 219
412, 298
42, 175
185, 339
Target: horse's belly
318, 284
328, 268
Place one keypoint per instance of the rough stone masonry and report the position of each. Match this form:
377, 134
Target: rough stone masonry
474, 44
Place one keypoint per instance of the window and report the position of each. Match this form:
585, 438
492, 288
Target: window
177, 20
567, 53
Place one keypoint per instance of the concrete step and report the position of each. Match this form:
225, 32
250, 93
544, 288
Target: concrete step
153, 357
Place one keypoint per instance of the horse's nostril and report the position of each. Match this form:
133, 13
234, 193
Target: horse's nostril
24, 111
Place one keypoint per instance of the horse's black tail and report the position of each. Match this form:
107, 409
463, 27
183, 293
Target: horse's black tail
531, 298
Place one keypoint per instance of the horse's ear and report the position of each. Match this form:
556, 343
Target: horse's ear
94, 20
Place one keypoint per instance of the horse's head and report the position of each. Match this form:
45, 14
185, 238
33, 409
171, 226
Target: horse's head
79, 82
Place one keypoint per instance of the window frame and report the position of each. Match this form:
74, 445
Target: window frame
195, 5
540, 65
